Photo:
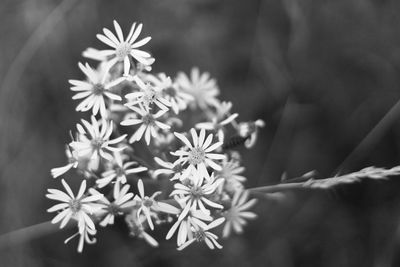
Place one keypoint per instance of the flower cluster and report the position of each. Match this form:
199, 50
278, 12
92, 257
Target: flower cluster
156, 150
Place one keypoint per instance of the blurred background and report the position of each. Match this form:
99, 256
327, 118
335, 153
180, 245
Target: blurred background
323, 75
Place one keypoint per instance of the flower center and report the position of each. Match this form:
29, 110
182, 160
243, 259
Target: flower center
96, 144
98, 89
170, 91
147, 202
196, 156
113, 209
148, 119
123, 50
150, 96
196, 192
75, 205
119, 171
199, 235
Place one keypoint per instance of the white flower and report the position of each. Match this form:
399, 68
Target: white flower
73, 207
198, 156
96, 142
184, 226
83, 237
149, 204
122, 49
149, 125
249, 130
203, 89
219, 120
72, 163
201, 234
94, 90
119, 171
147, 96
122, 200
136, 227
237, 214
231, 170
195, 194
176, 97
174, 169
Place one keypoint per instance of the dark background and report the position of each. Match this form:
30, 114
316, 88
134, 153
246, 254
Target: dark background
322, 74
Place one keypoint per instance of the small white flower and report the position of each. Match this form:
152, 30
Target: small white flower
94, 90
198, 156
231, 170
203, 89
73, 207
184, 226
147, 96
202, 234
122, 49
149, 204
249, 130
174, 169
95, 141
122, 200
221, 119
195, 194
176, 97
119, 171
72, 163
136, 227
85, 236
149, 124
237, 214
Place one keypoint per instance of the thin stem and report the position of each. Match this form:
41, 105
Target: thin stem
276, 188
27, 234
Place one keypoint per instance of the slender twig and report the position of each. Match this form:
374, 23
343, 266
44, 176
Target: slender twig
276, 188
26, 234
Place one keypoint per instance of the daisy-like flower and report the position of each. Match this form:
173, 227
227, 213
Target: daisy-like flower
77, 207
85, 236
196, 193
184, 226
202, 234
147, 96
249, 130
122, 49
122, 200
148, 204
237, 214
176, 97
149, 124
95, 141
168, 168
72, 163
198, 156
119, 171
219, 120
137, 229
231, 171
94, 90
203, 89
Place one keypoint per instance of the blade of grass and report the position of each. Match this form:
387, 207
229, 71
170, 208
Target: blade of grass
372, 137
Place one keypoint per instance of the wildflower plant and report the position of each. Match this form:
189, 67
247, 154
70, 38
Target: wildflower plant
150, 128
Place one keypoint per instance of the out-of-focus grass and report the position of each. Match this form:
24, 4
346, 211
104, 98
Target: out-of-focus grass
320, 73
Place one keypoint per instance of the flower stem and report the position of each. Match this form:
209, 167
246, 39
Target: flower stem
27, 234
